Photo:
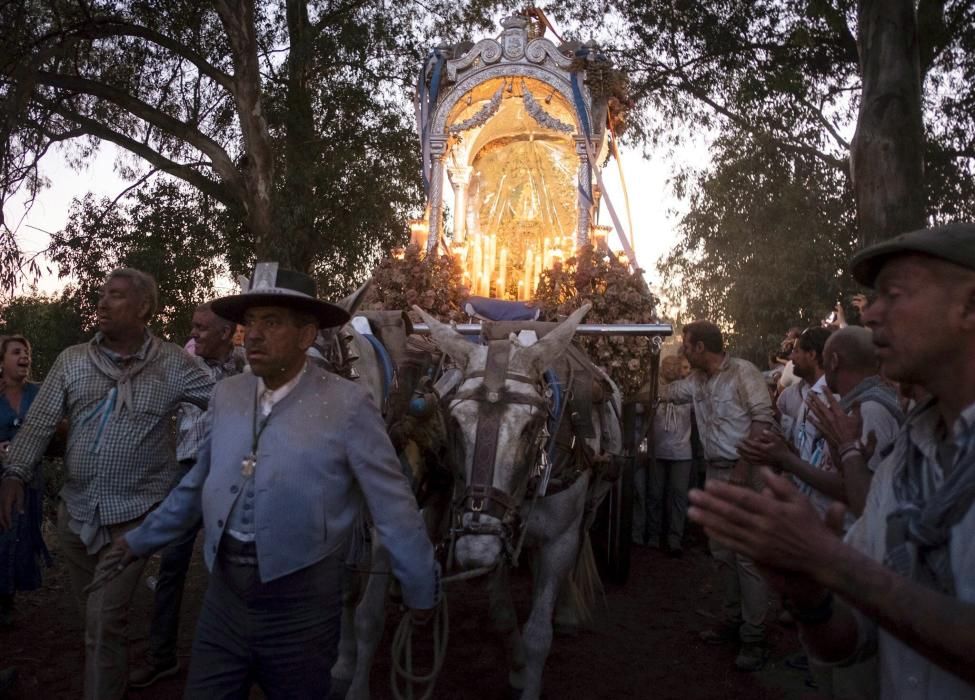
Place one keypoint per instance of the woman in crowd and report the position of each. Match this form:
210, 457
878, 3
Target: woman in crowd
21, 548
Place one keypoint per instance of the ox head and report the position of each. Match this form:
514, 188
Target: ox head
498, 414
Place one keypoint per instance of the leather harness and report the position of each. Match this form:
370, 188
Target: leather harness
493, 396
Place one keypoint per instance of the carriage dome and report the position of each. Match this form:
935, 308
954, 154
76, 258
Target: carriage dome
509, 130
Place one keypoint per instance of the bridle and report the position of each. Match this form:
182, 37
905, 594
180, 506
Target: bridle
480, 495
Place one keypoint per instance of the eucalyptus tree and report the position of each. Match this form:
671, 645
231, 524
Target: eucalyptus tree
289, 115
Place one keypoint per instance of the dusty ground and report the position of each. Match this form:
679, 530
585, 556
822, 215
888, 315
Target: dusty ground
642, 644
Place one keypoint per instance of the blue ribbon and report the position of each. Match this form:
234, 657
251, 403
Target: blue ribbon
106, 406
585, 179
426, 101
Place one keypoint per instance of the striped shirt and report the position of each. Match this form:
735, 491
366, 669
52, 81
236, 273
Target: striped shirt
119, 465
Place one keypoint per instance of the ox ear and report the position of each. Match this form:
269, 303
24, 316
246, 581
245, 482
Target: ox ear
447, 339
352, 302
547, 350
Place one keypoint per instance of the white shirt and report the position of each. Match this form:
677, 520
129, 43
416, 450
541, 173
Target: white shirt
269, 397
904, 673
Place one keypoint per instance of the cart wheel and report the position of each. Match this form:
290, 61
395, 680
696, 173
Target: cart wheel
613, 530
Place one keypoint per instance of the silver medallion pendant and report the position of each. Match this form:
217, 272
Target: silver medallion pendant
248, 465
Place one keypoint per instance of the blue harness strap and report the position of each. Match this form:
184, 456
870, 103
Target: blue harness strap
552, 380
385, 361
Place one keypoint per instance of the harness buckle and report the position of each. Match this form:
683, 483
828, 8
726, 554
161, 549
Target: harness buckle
477, 504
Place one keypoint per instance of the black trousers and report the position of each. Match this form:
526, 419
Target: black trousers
281, 635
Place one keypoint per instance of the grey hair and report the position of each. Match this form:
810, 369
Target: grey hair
144, 284
207, 306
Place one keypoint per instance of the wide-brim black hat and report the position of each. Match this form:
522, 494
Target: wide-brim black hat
952, 242
272, 286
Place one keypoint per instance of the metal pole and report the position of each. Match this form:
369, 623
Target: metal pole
636, 329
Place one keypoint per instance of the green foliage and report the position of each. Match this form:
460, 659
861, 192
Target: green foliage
327, 152
170, 231
764, 246
617, 296
776, 84
50, 324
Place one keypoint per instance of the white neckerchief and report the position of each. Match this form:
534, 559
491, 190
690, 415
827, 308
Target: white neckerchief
269, 397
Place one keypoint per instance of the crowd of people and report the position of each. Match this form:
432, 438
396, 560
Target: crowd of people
276, 501
840, 482
844, 483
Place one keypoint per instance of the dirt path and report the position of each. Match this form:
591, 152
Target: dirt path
643, 643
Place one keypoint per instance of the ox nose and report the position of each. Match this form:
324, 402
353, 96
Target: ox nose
473, 550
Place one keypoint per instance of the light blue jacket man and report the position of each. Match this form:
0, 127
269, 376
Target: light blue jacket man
323, 453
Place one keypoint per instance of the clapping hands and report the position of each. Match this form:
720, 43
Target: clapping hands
839, 428
768, 448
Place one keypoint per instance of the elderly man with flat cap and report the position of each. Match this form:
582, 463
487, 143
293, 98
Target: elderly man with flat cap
902, 584
293, 454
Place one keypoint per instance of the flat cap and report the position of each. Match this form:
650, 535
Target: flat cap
952, 242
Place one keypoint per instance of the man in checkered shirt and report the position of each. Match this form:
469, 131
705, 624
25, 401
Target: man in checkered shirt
118, 392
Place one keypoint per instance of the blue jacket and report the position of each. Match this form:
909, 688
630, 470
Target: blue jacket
324, 448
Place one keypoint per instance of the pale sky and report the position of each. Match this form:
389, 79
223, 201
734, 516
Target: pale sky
655, 210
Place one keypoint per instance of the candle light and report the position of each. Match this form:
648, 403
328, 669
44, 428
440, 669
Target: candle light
476, 267
419, 232
503, 273
490, 256
600, 235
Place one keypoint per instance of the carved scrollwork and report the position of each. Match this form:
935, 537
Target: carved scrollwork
487, 50
482, 115
540, 49
538, 113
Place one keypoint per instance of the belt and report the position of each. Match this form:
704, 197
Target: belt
721, 463
234, 551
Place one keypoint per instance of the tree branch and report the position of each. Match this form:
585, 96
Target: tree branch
738, 120
230, 192
222, 162
101, 28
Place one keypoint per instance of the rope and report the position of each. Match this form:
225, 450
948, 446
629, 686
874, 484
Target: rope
403, 655
402, 650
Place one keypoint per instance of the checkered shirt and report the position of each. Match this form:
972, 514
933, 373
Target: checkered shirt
122, 465
194, 424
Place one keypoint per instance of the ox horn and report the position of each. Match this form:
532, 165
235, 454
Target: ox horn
352, 302
447, 339
543, 353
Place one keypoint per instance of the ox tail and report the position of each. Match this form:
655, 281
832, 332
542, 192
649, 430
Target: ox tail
584, 586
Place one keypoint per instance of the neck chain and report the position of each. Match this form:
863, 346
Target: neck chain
249, 464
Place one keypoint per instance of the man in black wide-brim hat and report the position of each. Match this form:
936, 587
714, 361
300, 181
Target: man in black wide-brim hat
293, 453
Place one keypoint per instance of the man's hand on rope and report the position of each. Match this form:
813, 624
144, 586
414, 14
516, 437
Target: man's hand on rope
422, 616
112, 564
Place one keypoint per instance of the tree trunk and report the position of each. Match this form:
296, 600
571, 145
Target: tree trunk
887, 159
301, 149
237, 17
